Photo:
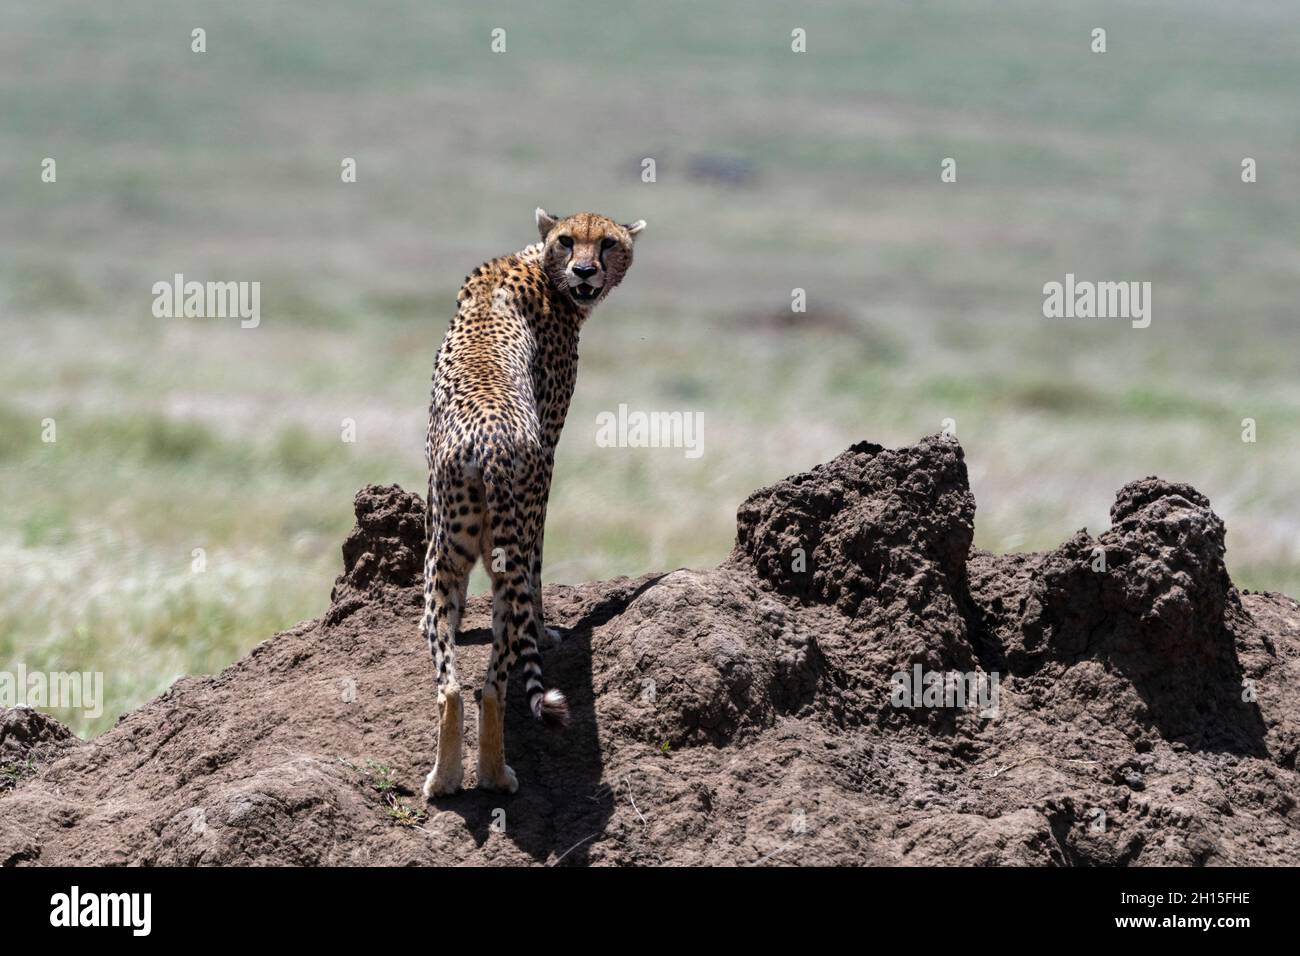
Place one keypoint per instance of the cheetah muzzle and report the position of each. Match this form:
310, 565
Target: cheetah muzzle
502, 382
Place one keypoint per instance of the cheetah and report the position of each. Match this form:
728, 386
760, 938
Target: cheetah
502, 382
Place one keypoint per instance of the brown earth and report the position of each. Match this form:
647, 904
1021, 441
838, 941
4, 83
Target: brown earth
741, 715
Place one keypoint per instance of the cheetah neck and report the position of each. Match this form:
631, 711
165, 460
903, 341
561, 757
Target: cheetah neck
576, 314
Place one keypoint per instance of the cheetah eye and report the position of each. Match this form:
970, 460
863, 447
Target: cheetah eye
566, 241
608, 243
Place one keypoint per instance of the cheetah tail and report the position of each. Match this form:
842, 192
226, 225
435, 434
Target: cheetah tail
548, 706
551, 709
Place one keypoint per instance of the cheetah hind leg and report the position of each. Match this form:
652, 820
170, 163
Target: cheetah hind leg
493, 773
442, 617
448, 772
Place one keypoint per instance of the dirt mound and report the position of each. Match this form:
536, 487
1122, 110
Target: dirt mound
384, 554
29, 739
854, 684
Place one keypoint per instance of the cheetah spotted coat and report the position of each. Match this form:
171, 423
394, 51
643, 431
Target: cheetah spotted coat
502, 382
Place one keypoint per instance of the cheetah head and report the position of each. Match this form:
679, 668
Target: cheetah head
586, 255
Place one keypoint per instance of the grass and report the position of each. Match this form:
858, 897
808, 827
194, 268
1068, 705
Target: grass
381, 779
13, 772
924, 298
403, 814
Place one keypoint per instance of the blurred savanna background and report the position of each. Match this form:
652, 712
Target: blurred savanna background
774, 171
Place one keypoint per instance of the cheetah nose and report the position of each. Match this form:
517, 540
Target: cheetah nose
584, 272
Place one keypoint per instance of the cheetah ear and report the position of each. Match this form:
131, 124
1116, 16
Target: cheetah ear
635, 227
545, 222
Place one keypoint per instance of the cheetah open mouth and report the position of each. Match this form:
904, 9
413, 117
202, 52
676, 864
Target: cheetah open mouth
584, 292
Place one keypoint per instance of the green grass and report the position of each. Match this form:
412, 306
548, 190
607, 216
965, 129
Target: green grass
924, 298
380, 778
13, 772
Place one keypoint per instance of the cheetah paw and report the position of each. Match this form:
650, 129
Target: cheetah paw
441, 784
507, 782
551, 637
